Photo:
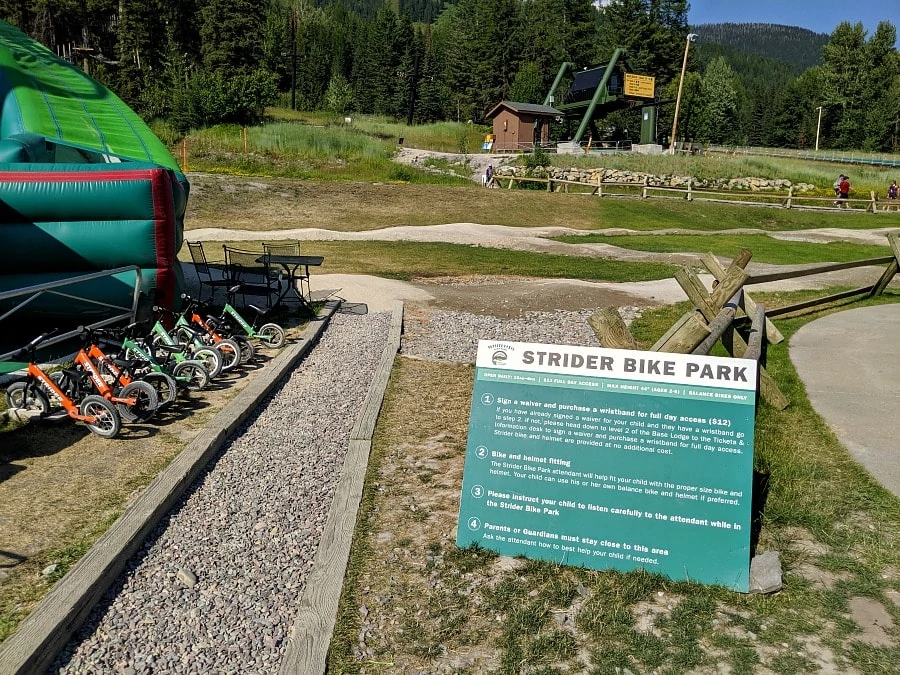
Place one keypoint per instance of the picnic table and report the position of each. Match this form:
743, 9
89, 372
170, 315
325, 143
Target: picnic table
292, 264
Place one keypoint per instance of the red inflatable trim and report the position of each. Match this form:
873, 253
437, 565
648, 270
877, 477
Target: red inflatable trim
164, 226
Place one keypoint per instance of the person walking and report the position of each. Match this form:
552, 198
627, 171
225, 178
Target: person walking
844, 192
837, 187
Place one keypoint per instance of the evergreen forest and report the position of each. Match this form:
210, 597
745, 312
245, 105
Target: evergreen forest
195, 63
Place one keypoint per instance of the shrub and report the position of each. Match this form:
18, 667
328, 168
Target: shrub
537, 159
212, 98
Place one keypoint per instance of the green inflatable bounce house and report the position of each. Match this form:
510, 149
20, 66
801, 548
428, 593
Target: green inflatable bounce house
84, 186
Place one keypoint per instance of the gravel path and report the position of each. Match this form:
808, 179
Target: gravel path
216, 587
453, 336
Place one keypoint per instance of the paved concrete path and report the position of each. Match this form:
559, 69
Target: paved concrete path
850, 364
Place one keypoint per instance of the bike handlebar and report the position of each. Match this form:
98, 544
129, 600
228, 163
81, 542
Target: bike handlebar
30, 347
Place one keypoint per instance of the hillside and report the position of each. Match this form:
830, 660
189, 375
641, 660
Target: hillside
799, 47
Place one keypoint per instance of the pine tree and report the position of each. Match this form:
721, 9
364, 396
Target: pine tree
528, 85
720, 123
230, 34
433, 96
482, 53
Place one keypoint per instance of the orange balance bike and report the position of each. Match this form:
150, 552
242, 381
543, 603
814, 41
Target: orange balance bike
38, 389
136, 401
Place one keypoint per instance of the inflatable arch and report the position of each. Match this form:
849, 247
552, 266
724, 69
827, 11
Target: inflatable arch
84, 184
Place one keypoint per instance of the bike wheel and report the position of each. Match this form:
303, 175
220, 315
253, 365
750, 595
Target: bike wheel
231, 353
191, 375
165, 386
210, 358
144, 406
22, 397
106, 422
247, 350
272, 335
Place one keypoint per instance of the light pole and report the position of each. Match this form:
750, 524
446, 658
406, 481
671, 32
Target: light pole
293, 59
687, 45
818, 127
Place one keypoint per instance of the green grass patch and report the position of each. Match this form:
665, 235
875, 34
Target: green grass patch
315, 148
765, 249
409, 260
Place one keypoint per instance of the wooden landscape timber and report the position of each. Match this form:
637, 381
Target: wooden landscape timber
714, 313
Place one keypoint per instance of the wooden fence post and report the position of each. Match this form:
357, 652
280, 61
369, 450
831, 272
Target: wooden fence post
549, 184
787, 204
873, 206
245, 140
184, 164
892, 268
599, 185
715, 268
610, 329
709, 305
690, 196
644, 190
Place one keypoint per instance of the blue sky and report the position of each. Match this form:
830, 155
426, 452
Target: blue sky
821, 16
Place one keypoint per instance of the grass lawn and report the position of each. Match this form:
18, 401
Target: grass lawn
322, 146
413, 602
765, 249
407, 260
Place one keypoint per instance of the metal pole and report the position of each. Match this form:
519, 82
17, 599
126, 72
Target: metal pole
818, 127
293, 59
687, 45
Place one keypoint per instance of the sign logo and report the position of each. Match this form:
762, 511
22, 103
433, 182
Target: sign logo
499, 357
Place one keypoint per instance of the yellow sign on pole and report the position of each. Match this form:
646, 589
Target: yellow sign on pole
639, 85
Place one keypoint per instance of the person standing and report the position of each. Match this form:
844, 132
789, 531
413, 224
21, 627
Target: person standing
892, 190
844, 191
489, 176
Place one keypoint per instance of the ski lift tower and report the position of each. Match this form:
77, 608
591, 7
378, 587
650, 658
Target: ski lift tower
597, 92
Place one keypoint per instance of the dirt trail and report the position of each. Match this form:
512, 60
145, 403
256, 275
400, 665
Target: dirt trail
477, 162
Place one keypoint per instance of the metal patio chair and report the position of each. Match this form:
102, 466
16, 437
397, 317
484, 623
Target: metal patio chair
251, 270
282, 248
214, 276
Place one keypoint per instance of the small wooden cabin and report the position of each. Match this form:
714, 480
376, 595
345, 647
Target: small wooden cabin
519, 126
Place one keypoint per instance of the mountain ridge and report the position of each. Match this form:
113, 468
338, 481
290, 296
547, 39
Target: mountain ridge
800, 47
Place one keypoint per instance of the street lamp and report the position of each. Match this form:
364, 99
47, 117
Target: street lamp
818, 127
687, 45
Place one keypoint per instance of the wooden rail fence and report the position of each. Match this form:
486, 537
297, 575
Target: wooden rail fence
715, 313
645, 190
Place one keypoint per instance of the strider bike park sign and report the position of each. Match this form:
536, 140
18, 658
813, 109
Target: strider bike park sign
612, 459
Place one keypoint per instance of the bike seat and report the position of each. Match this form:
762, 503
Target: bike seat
74, 373
172, 349
261, 312
129, 364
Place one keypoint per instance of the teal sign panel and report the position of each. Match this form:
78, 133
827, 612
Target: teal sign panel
612, 459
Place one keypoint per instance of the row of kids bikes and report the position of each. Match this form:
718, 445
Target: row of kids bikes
128, 374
